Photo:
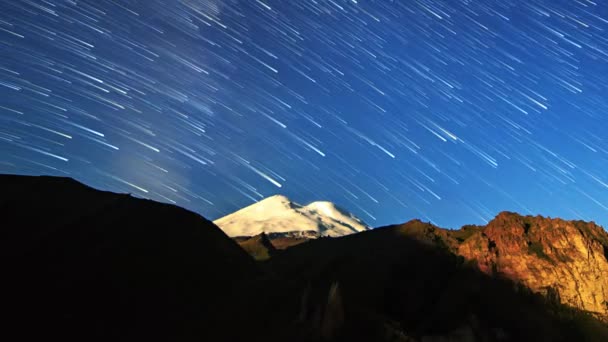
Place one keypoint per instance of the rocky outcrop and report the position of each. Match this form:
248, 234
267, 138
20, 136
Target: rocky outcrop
407, 283
565, 260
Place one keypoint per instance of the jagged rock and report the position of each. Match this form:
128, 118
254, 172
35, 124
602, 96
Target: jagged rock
563, 259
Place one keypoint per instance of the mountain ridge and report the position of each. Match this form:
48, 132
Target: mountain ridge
564, 259
85, 264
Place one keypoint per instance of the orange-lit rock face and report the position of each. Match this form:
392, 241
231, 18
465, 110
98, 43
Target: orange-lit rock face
566, 258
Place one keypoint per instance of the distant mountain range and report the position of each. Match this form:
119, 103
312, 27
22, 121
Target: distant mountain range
87, 265
558, 258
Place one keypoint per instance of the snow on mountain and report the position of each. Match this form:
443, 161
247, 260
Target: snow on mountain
277, 214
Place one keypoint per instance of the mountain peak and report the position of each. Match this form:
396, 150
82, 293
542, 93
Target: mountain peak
272, 203
321, 204
278, 214
324, 208
277, 198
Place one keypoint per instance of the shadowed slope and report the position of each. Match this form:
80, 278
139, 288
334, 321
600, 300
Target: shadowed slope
92, 265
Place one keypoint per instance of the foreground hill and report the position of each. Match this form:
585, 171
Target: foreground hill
83, 264
87, 265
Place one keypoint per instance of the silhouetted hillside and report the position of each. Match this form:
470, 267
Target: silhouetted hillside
87, 265
90, 265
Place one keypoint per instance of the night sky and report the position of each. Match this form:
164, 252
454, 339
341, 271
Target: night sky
449, 111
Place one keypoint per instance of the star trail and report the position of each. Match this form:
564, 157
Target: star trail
449, 111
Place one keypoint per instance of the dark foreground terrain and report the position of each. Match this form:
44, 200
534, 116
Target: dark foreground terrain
82, 264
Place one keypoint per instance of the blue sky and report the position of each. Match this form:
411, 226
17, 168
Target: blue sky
448, 111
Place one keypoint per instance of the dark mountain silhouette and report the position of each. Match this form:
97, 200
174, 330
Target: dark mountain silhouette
83, 264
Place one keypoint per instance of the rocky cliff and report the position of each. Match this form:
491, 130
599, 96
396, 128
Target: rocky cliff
562, 259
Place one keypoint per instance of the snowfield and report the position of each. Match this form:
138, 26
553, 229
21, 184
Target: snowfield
277, 214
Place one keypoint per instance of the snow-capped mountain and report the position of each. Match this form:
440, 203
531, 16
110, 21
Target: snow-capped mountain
277, 215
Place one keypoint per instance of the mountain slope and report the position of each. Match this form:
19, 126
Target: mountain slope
277, 214
404, 283
564, 260
260, 247
87, 265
